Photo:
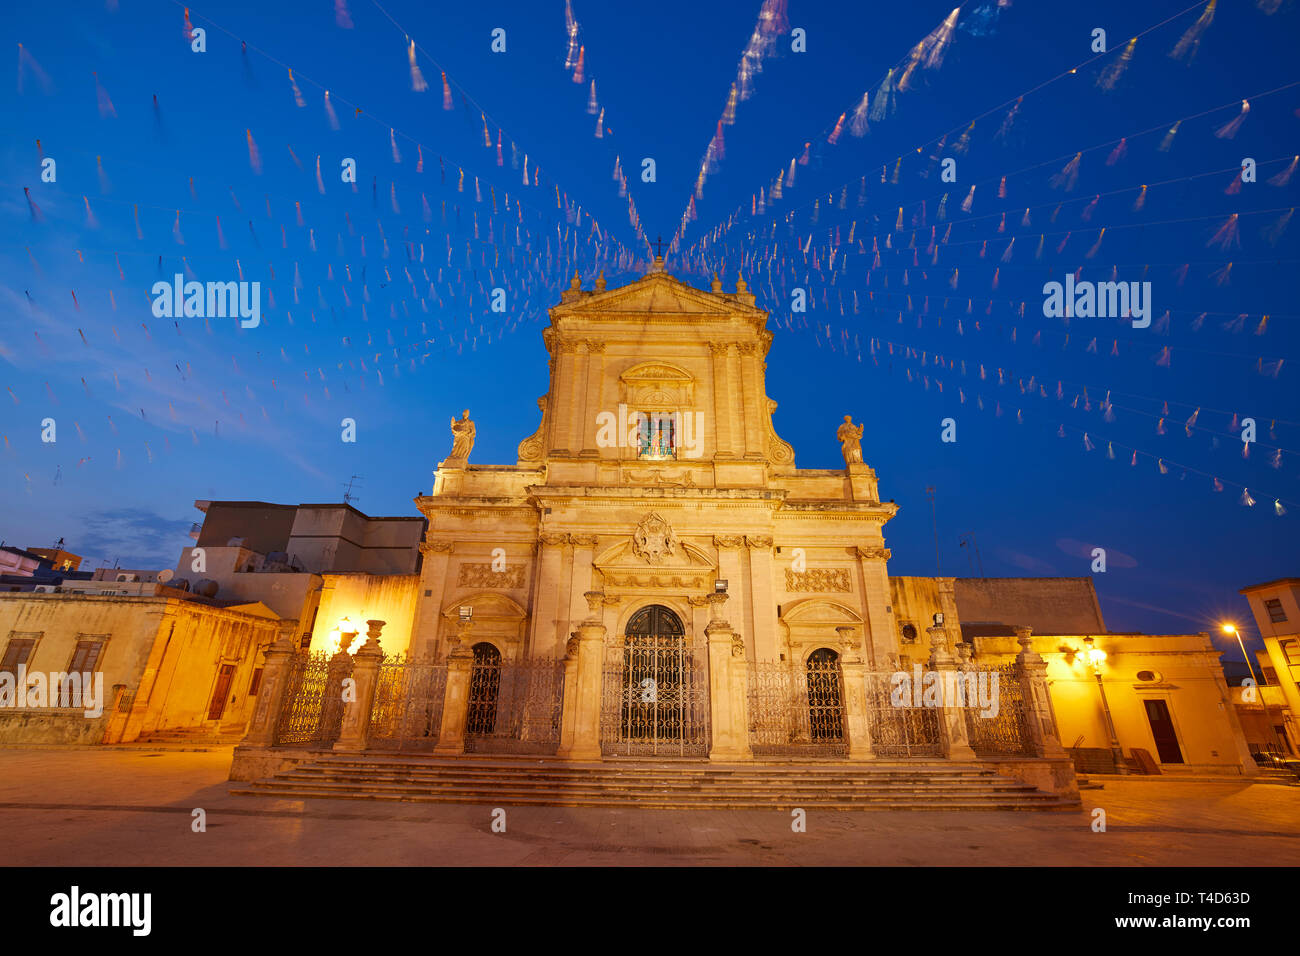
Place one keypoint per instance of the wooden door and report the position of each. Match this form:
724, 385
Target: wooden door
218, 705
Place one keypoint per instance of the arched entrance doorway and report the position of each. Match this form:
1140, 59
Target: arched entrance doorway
655, 698
825, 697
484, 686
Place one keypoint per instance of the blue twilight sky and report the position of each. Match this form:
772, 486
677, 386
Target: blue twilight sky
380, 291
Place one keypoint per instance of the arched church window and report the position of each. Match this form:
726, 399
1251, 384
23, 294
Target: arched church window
484, 684
825, 699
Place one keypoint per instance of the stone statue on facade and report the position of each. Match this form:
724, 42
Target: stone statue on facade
462, 431
850, 437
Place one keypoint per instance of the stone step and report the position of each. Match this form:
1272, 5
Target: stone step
1033, 801
754, 778
847, 790
872, 770
661, 784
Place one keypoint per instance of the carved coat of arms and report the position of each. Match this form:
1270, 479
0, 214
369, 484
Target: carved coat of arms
653, 539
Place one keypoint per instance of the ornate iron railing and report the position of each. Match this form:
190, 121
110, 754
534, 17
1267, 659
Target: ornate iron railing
655, 698
312, 711
407, 711
796, 709
900, 731
514, 706
1002, 734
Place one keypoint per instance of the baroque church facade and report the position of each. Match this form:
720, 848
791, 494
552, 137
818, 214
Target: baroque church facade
654, 577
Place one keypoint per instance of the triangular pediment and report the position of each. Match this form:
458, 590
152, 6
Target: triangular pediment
657, 293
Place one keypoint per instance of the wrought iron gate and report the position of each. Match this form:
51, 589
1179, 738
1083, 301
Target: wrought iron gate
407, 712
312, 711
797, 709
655, 692
900, 731
514, 707
1002, 734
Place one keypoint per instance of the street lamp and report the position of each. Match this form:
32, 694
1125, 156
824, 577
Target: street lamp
1095, 657
1229, 628
347, 632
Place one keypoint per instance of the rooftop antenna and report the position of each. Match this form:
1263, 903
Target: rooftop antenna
348, 496
969, 538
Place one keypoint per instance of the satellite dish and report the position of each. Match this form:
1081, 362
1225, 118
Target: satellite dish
165, 575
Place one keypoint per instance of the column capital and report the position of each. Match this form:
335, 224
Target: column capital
883, 554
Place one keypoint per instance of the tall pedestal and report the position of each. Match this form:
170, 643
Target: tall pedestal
584, 662
952, 716
728, 703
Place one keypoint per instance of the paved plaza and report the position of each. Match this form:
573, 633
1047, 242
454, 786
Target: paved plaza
133, 807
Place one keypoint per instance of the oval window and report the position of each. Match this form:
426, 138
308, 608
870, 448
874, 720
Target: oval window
1148, 676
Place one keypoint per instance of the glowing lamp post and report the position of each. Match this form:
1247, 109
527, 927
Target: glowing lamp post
1095, 657
1232, 629
344, 634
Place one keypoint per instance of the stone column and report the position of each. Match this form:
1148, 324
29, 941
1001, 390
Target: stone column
580, 720
433, 577
579, 573
721, 401
270, 696
857, 717
1042, 737
455, 700
762, 581
728, 717
355, 733
563, 384
881, 636
578, 400
729, 569
545, 640
755, 401
952, 716
592, 397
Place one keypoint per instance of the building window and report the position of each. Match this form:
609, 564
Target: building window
1148, 676
16, 654
1269, 675
656, 435
909, 633
1275, 612
1291, 651
85, 657
255, 684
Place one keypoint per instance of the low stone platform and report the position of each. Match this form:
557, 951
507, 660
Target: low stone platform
678, 784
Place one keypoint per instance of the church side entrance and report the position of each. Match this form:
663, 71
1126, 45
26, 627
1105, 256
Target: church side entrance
655, 690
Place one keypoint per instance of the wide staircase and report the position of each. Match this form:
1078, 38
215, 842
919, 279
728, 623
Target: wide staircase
913, 784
